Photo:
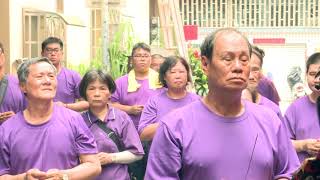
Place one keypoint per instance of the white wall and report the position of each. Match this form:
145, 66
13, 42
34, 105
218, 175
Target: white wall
16, 29
139, 11
78, 38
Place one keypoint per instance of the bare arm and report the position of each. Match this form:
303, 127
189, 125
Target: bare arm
311, 146
88, 169
135, 110
11, 177
79, 106
148, 132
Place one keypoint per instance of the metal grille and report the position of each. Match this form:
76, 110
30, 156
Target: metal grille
250, 13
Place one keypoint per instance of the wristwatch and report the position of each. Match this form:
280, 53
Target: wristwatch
65, 177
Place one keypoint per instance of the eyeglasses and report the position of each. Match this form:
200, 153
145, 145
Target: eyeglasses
141, 56
55, 50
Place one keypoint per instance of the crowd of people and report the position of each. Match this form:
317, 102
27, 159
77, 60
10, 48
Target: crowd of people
146, 124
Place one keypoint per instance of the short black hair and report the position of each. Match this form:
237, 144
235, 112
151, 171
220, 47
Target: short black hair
169, 63
1, 48
51, 40
207, 47
140, 45
313, 59
93, 75
258, 52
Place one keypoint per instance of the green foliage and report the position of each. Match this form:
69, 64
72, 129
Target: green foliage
200, 79
120, 49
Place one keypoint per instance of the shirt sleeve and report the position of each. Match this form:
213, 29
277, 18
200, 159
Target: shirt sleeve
77, 79
85, 142
286, 158
130, 137
149, 115
164, 161
115, 97
4, 154
289, 122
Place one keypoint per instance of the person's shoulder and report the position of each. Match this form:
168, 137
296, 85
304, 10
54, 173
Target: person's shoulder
13, 122
299, 102
122, 78
119, 115
269, 102
69, 71
262, 114
183, 114
68, 114
194, 96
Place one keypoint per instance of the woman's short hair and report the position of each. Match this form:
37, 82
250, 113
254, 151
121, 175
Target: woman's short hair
92, 76
169, 63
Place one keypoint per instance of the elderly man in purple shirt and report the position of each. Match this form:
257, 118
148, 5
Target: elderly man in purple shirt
221, 136
68, 80
12, 99
301, 117
253, 81
45, 141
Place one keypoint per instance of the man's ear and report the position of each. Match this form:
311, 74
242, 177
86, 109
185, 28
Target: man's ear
204, 64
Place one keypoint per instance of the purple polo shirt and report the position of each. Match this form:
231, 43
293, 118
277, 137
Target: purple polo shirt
14, 99
268, 103
139, 97
195, 143
68, 86
160, 105
55, 144
267, 89
119, 122
302, 122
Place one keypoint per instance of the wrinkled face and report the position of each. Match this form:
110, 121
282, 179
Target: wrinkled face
156, 63
98, 94
141, 60
312, 81
228, 70
54, 53
176, 77
255, 71
41, 82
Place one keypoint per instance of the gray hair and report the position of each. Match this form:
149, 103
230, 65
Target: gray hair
23, 69
207, 47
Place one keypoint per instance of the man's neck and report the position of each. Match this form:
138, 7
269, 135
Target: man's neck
58, 67
100, 112
38, 112
224, 104
313, 97
141, 75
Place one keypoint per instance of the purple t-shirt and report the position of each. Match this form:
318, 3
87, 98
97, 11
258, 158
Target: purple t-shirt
120, 123
14, 99
68, 86
302, 122
160, 105
55, 144
139, 97
268, 103
267, 89
195, 143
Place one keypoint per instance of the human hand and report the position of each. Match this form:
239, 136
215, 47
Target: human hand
105, 158
35, 174
311, 146
54, 174
135, 109
5, 115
